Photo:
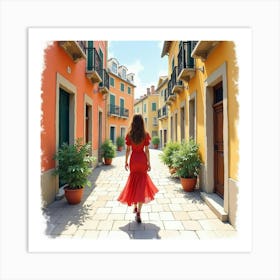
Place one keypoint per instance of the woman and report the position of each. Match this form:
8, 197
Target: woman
139, 188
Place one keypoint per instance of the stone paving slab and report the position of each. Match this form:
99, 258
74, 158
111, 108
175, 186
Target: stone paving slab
174, 214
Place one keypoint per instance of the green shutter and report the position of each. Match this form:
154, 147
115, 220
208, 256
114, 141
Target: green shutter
90, 56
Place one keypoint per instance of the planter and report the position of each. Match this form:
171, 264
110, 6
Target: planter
74, 196
120, 148
155, 146
188, 184
108, 161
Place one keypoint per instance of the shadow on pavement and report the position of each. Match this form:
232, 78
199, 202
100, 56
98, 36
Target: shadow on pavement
141, 231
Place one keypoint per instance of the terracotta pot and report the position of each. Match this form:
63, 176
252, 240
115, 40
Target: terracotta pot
73, 196
120, 148
108, 161
155, 146
188, 184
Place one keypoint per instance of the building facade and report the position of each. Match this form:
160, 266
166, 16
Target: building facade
162, 110
147, 105
120, 100
74, 85
202, 99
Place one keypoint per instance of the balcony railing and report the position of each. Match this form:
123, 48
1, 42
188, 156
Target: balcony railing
118, 111
104, 85
170, 95
75, 49
176, 86
162, 112
94, 67
186, 63
124, 113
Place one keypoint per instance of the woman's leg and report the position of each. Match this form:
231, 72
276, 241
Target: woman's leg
138, 217
135, 208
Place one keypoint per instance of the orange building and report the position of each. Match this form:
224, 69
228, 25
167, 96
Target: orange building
120, 99
74, 85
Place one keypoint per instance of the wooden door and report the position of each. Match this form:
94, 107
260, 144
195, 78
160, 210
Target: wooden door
218, 141
63, 117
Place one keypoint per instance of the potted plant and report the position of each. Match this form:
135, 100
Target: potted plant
167, 153
187, 163
120, 143
74, 164
108, 151
155, 141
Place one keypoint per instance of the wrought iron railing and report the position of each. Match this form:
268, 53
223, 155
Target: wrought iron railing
118, 111
184, 56
162, 112
169, 89
105, 79
124, 112
174, 76
94, 61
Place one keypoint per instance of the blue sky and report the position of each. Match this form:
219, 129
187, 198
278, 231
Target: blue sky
143, 58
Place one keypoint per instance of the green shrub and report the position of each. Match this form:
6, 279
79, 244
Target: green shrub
108, 149
187, 160
155, 140
167, 152
120, 141
74, 164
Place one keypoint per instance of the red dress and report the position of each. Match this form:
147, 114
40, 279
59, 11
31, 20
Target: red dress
139, 186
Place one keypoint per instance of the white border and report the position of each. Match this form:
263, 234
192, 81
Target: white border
38, 242
260, 15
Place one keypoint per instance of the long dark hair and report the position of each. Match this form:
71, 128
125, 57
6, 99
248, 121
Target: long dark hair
137, 130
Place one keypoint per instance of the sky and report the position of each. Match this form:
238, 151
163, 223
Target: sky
143, 58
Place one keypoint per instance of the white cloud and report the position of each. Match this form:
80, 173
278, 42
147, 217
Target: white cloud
137, 67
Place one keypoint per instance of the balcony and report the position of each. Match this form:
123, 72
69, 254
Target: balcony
162, 112
75, 49
94, 67
186, 63
170, 96
203, 49
104, 85
117, 111
124, 113
176, 87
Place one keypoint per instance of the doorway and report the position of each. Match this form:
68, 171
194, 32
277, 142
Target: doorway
64, 123
100, 115
218, 139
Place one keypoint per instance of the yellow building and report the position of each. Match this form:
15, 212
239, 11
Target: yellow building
147, 105
162, 110
202, 96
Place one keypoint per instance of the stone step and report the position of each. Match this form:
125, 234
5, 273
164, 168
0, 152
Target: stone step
215, 203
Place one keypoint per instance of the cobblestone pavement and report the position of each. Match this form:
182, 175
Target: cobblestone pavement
173, 214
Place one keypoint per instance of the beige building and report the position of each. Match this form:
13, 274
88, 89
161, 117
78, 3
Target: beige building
147, 105
162, 110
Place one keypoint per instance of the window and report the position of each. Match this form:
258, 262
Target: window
128, 90
114, 67
146, 121
112, 82
122, 87
155, 121
145, 108
137, 109
123, 74
154, 106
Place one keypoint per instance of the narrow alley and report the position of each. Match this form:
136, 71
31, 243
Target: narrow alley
173, 214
